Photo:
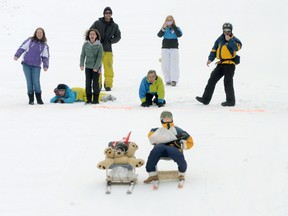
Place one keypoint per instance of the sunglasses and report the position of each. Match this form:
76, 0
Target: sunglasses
108, 12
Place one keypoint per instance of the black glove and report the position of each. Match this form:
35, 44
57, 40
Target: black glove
59, 100
144, 104
177, 143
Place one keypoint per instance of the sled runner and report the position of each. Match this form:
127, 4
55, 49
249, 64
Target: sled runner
121, 174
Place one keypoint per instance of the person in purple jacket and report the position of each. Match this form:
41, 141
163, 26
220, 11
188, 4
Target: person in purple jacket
36, 52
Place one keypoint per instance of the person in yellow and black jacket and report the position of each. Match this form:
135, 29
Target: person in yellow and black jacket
169, 141
151, 90
224, 49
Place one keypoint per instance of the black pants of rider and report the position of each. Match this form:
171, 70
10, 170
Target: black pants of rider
162, 150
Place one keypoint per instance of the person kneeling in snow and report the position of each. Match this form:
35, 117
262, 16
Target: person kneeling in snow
169, 141
152, 90
65, 94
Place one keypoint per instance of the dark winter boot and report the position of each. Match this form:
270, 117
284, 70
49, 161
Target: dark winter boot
228, 103
89, 98
202, 100
95, 99
38, 98
31, 99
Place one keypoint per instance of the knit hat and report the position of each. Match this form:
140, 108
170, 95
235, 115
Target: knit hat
107, 9
61, 87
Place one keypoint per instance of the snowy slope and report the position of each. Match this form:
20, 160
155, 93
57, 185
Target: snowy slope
49, 153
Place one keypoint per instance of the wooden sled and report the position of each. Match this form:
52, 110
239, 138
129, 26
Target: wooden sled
167, 174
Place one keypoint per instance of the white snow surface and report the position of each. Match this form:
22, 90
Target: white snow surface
239, 163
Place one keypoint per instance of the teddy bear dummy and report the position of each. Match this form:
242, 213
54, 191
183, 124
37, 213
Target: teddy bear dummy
118, 156
121, 152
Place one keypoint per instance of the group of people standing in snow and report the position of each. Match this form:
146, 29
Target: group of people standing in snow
97, 51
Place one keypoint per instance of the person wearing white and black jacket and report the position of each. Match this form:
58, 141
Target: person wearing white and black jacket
169, 52
169, 141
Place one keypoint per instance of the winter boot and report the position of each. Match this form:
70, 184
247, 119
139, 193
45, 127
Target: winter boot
173, 83
95, 99
228, 103
38, 98
202, 100
181, 177
151, 178
31, 99
89, 98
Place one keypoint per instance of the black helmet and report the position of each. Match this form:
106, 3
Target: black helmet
121, 146
165, 114
227, 26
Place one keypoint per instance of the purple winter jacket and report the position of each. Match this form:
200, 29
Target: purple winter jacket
35, 53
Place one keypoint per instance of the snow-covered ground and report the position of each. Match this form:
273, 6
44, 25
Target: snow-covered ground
239, 164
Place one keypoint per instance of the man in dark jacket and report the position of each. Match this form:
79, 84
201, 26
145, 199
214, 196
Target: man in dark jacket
224, 49
110, 34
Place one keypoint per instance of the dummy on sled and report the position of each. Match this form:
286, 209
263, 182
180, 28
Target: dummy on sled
120, 163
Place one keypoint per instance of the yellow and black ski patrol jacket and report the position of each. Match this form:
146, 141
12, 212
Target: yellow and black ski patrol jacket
224, 50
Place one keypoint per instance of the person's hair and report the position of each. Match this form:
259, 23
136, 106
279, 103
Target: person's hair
171, 17
86, 35
43, 39
151, 72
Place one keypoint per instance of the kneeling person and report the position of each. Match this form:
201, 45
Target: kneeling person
152, 90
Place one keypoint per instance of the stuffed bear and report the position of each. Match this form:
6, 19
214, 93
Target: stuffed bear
122, 158
118, 156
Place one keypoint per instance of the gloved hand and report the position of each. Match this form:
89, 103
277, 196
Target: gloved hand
59, 100
183, 144
144, 104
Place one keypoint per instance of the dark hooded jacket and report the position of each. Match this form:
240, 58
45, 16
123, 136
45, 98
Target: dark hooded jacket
109, 31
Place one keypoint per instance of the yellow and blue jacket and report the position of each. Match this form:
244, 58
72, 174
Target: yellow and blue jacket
224, 50
153, 88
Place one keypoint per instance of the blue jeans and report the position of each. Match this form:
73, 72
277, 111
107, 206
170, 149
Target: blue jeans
32, 75
162, 150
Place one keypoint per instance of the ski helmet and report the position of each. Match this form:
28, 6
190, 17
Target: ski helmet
227, 27
166, 114
121, 146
